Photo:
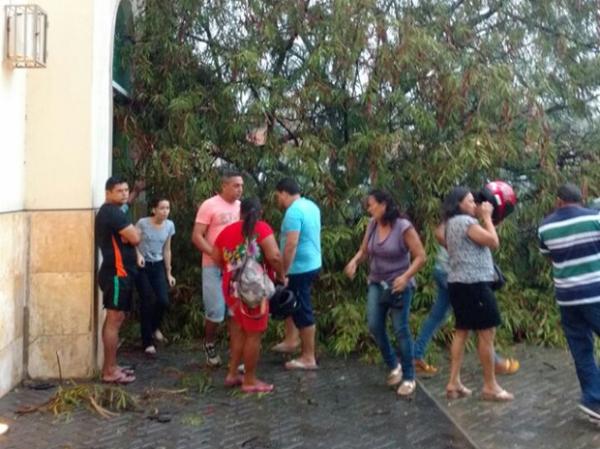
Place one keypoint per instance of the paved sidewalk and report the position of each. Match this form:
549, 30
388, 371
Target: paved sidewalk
544, 414
343, 405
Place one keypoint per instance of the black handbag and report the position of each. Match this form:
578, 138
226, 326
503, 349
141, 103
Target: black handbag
499, 279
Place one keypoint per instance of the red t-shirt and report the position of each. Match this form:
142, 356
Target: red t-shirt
233, 246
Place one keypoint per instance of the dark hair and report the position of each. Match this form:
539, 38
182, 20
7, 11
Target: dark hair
229, 173
451, 204
569, 193
392, 213
250, 210
114, 181
155, 201
288, 185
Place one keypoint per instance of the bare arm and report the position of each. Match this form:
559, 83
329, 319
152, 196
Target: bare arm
289, 251
485, 234
140, 257
273, 256
130, 234
167, 256
217, 255
360, 256
199, 238
440, 234
417, 259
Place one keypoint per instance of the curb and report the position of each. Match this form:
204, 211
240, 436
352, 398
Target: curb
448, 415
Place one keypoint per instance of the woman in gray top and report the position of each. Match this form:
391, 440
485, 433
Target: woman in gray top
154, 276
395, 255
470, 273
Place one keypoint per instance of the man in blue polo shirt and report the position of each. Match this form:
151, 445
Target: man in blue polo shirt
300, 244
570, 236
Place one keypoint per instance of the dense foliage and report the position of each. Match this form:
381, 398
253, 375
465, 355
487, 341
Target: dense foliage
344, 95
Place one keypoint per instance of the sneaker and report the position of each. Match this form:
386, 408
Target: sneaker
150, 350
395, 376
424, 368
3, 428
212, 358
593, 411
158, 336
407, 387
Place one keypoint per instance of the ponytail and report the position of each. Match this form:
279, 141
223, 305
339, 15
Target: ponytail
251, 210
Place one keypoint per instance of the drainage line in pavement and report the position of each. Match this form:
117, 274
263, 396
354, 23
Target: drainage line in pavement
447, 415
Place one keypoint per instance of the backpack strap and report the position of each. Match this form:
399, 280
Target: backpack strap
238, 273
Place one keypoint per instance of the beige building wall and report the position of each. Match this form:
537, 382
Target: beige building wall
58, 196
55, 151
13, 222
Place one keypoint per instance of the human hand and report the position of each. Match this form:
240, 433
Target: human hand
485, 210
171, 280
399, 284
350, 269
141, 262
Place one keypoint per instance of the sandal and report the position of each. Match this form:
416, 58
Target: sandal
458, 393
258, 387
507, 366
500, 396
424, 368
296, 364
121, 379
127, 369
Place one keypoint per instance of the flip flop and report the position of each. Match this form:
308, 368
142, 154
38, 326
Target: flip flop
127, 369
507, 366
296, 364
501, 396
121, 379
236, 381
460, 392
258, 387
282, 348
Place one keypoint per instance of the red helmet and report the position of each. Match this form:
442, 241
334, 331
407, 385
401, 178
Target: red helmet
503, 198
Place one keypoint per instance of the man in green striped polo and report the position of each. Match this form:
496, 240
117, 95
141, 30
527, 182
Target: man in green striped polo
570, 236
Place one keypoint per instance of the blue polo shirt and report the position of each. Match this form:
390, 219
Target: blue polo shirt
303, 216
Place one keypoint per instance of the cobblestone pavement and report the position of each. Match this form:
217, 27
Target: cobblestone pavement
544, 414
343, 405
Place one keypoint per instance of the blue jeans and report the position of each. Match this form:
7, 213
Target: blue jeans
580, 323
380, 302
438, 314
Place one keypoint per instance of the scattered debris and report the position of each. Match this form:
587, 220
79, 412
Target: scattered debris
193, 419
105, 400
197, 382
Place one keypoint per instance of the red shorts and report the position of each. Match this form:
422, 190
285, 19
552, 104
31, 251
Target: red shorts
250, 320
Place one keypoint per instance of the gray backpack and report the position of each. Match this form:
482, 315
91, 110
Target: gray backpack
251, 282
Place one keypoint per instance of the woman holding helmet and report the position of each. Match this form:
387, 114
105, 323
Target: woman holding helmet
471, 272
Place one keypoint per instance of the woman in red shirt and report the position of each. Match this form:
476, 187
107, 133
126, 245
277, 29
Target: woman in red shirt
249, 237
